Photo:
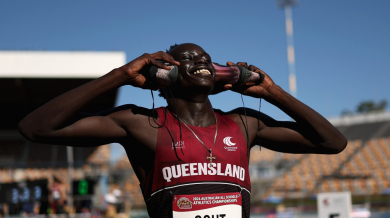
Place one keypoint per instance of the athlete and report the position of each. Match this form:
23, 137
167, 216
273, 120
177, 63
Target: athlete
191, 159
57, 197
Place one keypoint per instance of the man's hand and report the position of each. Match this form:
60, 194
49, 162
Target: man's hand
261, 90
134, 70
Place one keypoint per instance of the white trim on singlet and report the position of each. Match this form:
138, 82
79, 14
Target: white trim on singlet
198, 183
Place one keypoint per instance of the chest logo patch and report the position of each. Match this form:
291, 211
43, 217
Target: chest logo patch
227, 141
230, 145
184, 203
179, 144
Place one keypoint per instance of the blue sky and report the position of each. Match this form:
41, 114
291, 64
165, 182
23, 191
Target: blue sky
342, 48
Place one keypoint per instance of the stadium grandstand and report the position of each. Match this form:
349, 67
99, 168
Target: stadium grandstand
363, 169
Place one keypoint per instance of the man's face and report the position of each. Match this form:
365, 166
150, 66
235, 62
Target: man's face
196, 70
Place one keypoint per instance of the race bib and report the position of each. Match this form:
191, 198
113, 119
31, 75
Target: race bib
218, 205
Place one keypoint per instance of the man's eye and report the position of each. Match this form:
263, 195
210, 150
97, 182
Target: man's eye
187, 58
208, 59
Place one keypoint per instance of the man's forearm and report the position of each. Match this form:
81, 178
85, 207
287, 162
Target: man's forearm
56, 112
308, 120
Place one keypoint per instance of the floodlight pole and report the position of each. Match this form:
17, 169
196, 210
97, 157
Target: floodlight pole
69, 150
287, 5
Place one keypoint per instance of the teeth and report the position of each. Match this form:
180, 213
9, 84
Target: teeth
202, 71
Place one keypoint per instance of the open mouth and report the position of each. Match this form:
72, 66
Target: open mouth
202, 71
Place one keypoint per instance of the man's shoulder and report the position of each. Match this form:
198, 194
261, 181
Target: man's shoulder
242, 111
124, 114
238, 110
134, 118
238, 113
132, 108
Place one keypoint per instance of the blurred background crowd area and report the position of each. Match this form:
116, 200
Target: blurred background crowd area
97, 186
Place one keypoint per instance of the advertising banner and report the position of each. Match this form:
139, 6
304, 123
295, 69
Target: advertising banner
334, 205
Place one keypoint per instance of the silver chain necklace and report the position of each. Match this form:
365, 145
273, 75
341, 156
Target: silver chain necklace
211, 158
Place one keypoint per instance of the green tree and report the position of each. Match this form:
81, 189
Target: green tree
371, 106
367, 107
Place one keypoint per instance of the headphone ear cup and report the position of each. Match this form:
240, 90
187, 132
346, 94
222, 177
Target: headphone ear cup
173, 74
163, 76
249, 76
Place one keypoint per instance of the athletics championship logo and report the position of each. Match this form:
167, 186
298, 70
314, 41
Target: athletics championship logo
184, 203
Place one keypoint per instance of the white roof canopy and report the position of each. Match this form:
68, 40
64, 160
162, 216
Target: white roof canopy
58, 64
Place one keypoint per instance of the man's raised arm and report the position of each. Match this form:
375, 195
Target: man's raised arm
311, 133
54, 121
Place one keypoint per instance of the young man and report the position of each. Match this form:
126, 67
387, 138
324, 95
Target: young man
197, 150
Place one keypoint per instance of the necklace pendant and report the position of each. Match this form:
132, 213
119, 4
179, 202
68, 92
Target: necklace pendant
211, 158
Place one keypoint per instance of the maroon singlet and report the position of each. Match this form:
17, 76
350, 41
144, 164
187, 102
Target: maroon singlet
192, 174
